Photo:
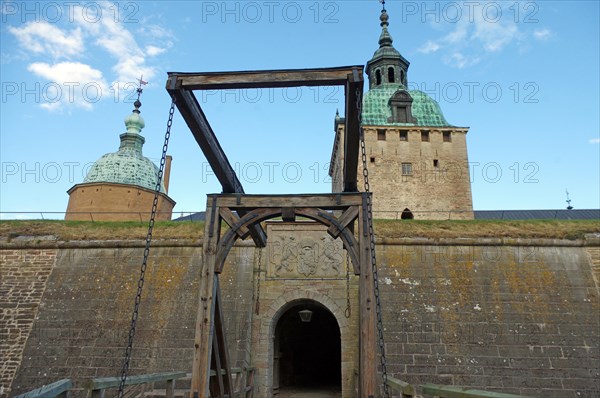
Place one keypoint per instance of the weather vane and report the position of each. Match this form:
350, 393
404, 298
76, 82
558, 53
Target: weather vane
383, 5
140, 90
569, 207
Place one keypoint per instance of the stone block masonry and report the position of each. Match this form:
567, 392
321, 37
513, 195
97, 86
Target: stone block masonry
517, 316
23, 277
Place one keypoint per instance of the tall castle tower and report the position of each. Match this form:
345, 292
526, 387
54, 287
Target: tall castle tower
120, 186
417, 161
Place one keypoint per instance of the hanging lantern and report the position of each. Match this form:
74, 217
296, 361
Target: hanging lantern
305, 315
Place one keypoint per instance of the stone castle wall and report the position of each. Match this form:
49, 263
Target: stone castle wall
512, 316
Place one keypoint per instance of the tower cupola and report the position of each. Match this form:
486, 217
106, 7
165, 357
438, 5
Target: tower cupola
387, 66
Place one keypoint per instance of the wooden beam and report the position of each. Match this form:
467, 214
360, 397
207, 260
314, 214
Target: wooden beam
367, 378
222, 349
263, 78
205, 137
336, 201
354, 89
203, 341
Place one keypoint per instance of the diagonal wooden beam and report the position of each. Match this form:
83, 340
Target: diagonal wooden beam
203, 133
354, 89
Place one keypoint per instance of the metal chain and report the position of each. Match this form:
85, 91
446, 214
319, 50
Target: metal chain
138, 297
378, 309
348, 311
257, 305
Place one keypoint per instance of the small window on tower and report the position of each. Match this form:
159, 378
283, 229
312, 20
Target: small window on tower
378, 77
372, 159
436, 164
425, 135
407, 169
381, 134
391, 75
447, 136
403, 135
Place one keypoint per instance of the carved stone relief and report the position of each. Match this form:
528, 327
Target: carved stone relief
303, 250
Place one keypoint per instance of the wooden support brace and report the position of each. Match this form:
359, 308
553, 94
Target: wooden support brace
234, 223
192, 113
288, 214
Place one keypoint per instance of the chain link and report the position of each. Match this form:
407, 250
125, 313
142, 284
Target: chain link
138, 297
378, 310
348, 311
257, 305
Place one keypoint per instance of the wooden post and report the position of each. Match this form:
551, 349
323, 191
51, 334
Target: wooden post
203, 341
367, 376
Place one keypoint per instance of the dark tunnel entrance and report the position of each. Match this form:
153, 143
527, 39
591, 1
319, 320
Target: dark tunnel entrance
307, 354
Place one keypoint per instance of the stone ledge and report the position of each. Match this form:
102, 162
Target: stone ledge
51, 242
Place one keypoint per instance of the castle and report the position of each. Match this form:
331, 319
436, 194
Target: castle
501, 314
417, 161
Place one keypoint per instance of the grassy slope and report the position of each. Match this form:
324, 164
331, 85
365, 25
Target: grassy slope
84, 230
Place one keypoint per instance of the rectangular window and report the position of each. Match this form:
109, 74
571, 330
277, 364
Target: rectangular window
403, 135
447, 136
380, 134
407, 169
372, 159
436, 164
425, 135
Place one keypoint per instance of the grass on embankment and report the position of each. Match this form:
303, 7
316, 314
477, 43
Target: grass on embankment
388, 229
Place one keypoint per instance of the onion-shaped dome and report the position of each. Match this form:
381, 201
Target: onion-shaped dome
128, 165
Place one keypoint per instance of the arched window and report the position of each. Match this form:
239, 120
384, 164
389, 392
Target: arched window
402, 77
391, 75
407, 214
378, 77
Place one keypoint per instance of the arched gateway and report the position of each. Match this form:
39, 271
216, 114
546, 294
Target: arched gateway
307, 350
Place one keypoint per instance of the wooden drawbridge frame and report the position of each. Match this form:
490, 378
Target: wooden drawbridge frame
243, 214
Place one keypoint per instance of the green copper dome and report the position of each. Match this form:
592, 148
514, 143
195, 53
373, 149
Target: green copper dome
128, 165
377, 110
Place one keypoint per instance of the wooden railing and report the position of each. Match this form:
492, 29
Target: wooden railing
57, 389
462, 392
402, 389
243, 383
99, 386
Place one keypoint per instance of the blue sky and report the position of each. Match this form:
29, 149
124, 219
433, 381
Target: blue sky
524, 76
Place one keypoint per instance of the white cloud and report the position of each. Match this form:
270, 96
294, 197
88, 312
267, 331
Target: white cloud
542, 34
595, 141
46, 39
494, 36
128, 54
113, 37
460, 61
473, 37
69, 84
153, 51
429, 47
